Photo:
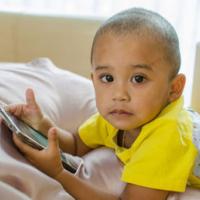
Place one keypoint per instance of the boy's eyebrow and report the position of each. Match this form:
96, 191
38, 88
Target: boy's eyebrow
141, 66
100, 67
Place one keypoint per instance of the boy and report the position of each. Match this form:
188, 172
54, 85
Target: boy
135, 62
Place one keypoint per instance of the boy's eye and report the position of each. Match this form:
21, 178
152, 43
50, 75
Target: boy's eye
107, 78
138, 79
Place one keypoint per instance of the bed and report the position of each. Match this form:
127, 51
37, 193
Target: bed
67, 97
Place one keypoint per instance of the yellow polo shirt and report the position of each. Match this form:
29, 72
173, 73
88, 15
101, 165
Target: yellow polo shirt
163, 155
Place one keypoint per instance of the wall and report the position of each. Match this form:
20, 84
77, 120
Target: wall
196, 81
66, 41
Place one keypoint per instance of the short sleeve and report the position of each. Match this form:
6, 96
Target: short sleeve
93, 131
162, 160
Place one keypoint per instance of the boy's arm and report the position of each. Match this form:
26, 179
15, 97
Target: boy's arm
81, 148
66, 139
80, 189
71, 143
68, 142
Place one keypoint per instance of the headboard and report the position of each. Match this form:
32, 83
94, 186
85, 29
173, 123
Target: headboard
196, 82
65, 40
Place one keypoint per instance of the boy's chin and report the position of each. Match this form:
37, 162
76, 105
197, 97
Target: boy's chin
122, 123
123, 126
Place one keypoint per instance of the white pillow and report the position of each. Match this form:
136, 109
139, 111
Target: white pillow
67, 98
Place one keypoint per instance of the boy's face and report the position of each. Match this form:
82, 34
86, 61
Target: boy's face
131, 80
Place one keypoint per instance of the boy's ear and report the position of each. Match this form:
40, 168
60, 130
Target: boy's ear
177, 86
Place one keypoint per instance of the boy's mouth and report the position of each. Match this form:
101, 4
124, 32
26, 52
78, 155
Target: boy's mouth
120, 112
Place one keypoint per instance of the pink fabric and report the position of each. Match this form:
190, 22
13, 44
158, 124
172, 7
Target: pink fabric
19, 180
69, 100
102, 169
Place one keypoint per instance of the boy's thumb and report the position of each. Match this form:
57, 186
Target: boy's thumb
53, 139
30, 98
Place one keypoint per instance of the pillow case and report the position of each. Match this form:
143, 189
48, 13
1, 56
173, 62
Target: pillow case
67, 98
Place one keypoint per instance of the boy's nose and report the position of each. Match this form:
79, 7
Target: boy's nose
120, 94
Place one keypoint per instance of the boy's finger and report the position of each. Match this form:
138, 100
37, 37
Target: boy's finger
2, 104
30, 98
15, 109
53, 140
18, 110
10, 108
24, 148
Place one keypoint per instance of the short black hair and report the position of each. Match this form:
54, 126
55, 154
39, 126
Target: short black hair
145, 22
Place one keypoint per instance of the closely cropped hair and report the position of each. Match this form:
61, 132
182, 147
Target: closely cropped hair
144, 23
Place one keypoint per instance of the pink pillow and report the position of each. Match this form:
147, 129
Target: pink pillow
67, 98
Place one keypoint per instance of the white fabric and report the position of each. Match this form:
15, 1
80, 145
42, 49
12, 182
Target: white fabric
196, 140
67, 98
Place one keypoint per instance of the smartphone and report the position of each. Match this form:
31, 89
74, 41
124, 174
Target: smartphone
33, 137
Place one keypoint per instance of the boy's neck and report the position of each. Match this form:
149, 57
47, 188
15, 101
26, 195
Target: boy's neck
128, 137
135, 131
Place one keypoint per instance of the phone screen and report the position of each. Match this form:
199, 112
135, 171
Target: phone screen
30, 132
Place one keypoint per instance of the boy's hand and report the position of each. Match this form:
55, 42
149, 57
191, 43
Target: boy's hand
29, 112
47, 160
